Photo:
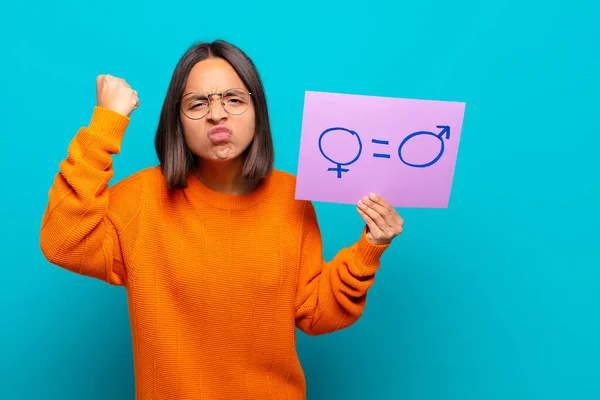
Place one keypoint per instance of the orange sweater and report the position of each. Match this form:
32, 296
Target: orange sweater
216, 283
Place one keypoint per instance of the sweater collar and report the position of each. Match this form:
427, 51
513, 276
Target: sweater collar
228, 201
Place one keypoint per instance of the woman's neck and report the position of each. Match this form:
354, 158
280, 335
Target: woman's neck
224, 176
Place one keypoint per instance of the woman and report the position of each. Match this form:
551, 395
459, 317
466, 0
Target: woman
220, 262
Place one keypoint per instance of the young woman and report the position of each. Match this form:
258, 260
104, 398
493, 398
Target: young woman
220, 262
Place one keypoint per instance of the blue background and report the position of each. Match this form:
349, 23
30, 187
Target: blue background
496, 297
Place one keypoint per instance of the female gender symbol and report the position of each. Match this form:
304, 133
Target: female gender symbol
338, 167
445, 131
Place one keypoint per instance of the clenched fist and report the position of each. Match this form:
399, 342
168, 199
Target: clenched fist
115, 94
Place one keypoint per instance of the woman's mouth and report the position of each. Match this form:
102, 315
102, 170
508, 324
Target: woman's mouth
219, 134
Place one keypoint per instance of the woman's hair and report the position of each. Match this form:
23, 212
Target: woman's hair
175, 157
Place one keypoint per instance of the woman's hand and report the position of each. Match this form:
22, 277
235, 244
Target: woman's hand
383, 222
115, 94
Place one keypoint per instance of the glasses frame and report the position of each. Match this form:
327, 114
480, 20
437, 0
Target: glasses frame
209, 96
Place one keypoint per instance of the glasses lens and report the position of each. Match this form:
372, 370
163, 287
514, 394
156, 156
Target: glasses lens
194, 105
236, 101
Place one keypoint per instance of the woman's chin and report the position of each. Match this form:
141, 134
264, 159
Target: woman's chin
219, 154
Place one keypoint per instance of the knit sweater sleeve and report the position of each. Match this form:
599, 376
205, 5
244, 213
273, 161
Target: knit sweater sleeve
85, 222
332, 295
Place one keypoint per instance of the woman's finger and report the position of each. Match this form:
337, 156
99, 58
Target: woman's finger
372, 225
385, 212
393, 214
378, 219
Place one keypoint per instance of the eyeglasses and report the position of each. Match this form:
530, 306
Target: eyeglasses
197, 105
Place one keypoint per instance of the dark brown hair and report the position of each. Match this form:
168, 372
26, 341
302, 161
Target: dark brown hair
174, 155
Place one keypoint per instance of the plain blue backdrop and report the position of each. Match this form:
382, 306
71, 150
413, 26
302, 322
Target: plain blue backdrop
496, 297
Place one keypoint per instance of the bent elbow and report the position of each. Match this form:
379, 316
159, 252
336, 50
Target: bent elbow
48, 250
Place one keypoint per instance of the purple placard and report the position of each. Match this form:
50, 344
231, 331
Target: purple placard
402, 149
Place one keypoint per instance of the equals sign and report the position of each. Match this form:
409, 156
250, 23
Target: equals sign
380, 155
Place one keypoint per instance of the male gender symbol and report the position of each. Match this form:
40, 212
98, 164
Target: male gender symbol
439, 136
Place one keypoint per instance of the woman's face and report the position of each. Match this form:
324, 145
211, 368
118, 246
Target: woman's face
219, 135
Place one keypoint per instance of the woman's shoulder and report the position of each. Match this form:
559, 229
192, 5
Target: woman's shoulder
137, 186
129, 195
284, 179
285, 187
146, 177
285, 183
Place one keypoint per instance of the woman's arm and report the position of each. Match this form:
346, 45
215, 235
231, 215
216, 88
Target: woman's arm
332, 295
